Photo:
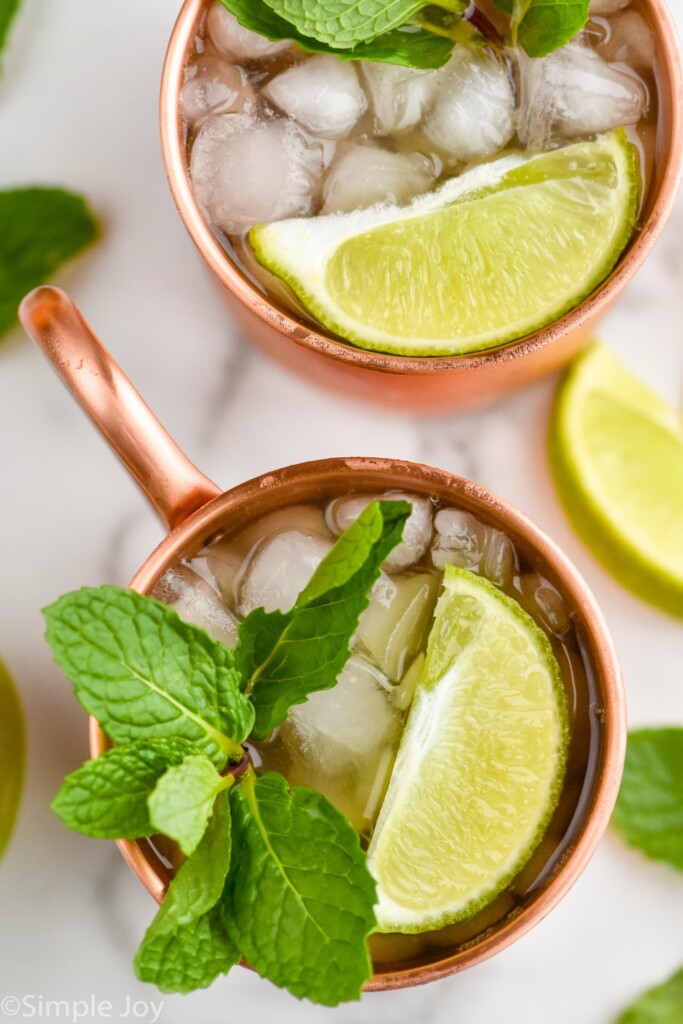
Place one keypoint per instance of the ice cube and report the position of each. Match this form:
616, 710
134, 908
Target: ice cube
603, 8
246, 171
215, 88
232, 40
631, 41
351, 720
364, 175
396, 623
417, 532
545, 604
460, 540
195, 601
223, 562
399, 96
572, 93
474, 113
278, 569
499, 559
305, 518
322, 94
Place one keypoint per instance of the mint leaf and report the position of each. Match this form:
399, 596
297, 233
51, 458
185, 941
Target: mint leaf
541, 26
144, 673
181, 804
107, 797
188, 958
8, 9
344, 23
186, 946
284, 657
662, 1004
40, 229
299, 901
199, 881
649, 809
407, 45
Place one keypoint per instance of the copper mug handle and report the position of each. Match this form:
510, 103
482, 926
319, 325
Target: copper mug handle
173, 485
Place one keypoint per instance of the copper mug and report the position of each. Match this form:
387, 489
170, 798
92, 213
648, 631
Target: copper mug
194, 509
426, 384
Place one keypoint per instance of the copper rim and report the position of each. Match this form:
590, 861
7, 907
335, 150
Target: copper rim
670, 158
299, 482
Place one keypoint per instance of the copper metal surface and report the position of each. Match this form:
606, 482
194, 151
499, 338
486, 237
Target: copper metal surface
422, 384
191, 503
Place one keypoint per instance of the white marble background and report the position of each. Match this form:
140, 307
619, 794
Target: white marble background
78, 107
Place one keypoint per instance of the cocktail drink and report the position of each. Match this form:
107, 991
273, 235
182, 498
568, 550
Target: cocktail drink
433, 210
491, 767
434, 724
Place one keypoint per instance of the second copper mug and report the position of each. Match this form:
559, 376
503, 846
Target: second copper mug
194, 510
423, 384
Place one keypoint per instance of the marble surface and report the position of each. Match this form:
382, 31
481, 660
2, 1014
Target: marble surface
78, 107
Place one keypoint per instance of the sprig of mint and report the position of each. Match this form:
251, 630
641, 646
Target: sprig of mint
402, 32
662, 1004
40, 229
540, 26
273, 873
649, 808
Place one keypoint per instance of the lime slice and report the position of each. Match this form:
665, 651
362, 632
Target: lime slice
490, 256
480, 766
12, 755
616, 451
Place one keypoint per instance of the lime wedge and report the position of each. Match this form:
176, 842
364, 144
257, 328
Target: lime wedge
12, 755
480, 766
490, 256
616, 452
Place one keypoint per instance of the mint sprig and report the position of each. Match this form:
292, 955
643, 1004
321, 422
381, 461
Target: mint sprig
405, 32
179, 706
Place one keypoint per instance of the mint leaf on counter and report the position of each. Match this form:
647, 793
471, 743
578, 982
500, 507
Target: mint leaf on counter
662, 1004
144, 673
541, 26
107, 797
8, 9
186, 959
407, 45
299, 901
649, 809
181, 804
199, 881
40, 229
284, 657
344, 23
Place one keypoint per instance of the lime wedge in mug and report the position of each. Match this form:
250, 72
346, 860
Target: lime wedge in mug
616, 453
12, 755
492, 255
480, 765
